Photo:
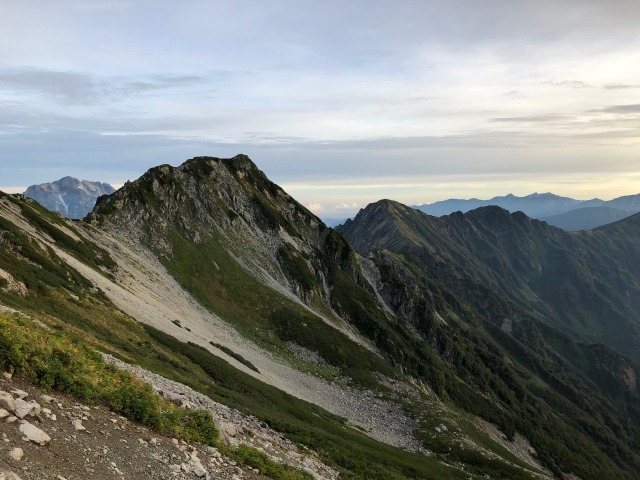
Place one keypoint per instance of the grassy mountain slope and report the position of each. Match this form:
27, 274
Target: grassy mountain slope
453, 280
409, 324
40, 278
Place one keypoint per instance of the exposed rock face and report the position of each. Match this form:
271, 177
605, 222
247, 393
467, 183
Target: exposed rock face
584, 282
10, 284
231, 204
69, 196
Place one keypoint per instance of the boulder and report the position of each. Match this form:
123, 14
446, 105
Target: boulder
7, 401
34, 434
197, 468
20, 393
24, 408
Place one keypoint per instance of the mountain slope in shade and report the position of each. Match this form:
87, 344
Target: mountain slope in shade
585, 282
586, 218
436, 271
69, 196
545, 206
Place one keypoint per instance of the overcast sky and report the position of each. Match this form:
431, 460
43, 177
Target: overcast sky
340, 102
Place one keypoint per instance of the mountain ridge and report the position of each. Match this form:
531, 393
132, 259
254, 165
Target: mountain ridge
513, 254
563, 212
204, 270
69, 196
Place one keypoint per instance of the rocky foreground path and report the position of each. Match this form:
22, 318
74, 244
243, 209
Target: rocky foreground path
54, 437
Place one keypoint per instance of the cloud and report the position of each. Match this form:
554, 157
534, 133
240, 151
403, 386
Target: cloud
621, 86
13, 189
623, 109
74, 88
528, 119
514, 94
573, 84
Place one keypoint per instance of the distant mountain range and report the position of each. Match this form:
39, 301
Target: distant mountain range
69, 196
563, 212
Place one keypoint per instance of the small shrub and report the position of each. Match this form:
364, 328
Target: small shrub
235, 355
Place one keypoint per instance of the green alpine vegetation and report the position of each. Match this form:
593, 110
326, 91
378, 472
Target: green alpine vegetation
459, 322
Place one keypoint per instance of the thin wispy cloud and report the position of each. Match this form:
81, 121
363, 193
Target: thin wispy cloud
623, 109
621, 86
84, 89
529, 119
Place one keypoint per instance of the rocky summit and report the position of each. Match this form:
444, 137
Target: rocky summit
69, 196
477, 345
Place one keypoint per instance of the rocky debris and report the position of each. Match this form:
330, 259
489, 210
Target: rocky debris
235, 427
12, 285
307, 355
518, 446
112, 447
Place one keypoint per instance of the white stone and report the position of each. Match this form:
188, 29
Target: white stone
77, 424
47, 399
7, 401
4, 413
7, 375
228, 429
24, 408
21, 394
16, 454
200, 471
8, 476
34, 434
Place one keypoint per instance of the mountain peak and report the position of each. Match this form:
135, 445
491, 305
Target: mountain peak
69, 196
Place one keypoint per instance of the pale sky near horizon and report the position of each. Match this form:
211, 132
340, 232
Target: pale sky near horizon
341, 103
